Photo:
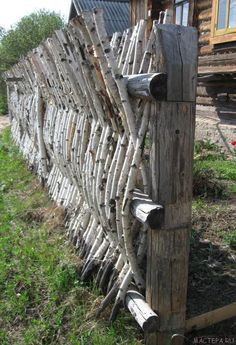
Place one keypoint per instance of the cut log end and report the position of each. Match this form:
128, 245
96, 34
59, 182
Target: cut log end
152, 86
146, 211
147, 319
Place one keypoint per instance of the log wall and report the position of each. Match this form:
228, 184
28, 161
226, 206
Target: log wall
213, 59
217, 60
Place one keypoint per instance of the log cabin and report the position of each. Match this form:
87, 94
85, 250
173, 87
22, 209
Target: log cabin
215, 21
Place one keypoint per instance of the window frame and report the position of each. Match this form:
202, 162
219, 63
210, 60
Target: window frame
221, 35
190, 10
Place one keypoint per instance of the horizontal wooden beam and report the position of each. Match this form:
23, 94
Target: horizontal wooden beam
140, 310
217, 69
146, 211
210, 318
151, 86
216, 60
205, 78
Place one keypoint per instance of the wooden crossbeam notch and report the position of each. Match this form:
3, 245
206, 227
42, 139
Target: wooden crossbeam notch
150, 86
208, 319
146, 211
143, 314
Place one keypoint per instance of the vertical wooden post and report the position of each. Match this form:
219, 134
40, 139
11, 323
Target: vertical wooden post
171, 160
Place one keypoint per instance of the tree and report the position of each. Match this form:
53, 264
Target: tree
23, 37
2, 32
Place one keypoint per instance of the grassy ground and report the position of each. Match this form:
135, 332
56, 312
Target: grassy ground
42, 300
212, 268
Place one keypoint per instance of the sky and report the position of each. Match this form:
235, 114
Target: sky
11, 11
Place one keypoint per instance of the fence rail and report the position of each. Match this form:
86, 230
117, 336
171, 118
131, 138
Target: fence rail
108, 126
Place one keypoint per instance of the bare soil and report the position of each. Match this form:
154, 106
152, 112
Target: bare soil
218, 131
4, 122
212, 264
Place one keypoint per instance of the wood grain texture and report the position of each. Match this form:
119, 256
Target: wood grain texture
171, 165
179, 49
141, 311
168, 248
146, 211
217, 69
148, 86
219, 59
208, 319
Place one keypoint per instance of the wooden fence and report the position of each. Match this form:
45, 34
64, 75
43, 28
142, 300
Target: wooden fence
109, 126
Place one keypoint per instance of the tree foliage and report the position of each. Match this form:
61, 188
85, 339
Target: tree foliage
23, 37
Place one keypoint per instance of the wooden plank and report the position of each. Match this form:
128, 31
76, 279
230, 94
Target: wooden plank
217, 69
204, 26
216, 60
204, 15
206, 100
211, 318
223, 38
213, 18
217, 78
192, 13
176, 44
141, 311
206, 50
204, 39
203, 4
171, 166
213, 90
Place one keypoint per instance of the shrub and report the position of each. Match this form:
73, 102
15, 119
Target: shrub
205, 183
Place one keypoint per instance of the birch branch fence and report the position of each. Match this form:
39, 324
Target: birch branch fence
108, 126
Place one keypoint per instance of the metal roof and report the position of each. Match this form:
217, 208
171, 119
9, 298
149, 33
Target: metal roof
116, 12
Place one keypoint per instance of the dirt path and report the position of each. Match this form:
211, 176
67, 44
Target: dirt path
4, 122
218, 132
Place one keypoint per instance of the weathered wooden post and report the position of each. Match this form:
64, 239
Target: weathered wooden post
171, 160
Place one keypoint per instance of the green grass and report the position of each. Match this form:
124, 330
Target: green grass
208, 156
230, 239
224, 169
3, 104
42, 300
212, 170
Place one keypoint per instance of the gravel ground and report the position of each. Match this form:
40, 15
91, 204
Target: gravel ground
218, 131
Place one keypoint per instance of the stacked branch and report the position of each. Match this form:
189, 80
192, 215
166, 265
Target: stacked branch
83, 132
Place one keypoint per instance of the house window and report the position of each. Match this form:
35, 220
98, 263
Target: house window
181, 12
223, 21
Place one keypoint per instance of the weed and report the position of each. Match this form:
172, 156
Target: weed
224, 170
201, 145
230, 239
199, 204
42, 300
210, 167
205, 183
232, 189
3, 104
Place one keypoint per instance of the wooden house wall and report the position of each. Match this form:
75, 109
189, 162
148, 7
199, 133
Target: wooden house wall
217, 60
